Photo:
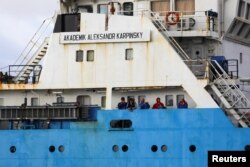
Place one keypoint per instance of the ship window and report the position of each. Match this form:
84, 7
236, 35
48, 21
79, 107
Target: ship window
140, 98
103, 8
12, 149
179, 98
128, 8
34, 101
60, 99
241, 58
124, 148
85, 9
164, 148
154, 148
169, 100
160, 6
61, 148
79, 56
121, 124
115, 148
103, 101
248, 12
129, 54
90, 55
130, 97
52, 149
241, 8
192, 148
186, 6
1, 101
84, 100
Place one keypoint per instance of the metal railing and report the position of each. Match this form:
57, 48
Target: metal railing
34, 44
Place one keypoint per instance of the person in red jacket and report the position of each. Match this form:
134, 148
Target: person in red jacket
158, 104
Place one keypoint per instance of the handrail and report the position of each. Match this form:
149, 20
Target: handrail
170, 39
34, 43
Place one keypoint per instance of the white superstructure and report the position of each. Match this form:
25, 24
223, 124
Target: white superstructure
101, 51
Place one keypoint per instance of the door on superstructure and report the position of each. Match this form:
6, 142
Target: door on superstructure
84, 100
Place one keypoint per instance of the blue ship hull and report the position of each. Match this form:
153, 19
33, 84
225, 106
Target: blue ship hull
167, 137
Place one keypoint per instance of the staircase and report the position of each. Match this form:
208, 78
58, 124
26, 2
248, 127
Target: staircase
32, 64
28, 61
233, 101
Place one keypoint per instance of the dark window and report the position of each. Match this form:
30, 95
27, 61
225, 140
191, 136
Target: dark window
187, 7
128, 8
121, 124
85, 9
103, 101
34, 101
241, 58
179, 98
140, 98
169, 100
67, 23
241, 9
79, 56
129, 54
248, 12
90, 55
60, 99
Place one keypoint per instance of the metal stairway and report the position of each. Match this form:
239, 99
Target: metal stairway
28, 62
231, 97
31, 66
154, 16
233, 100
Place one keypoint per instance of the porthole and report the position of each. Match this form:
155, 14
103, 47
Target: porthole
12, 149
164, 148
154, 148
52, 149
115, 148
247, 148
124, 148
192, 148
61, 148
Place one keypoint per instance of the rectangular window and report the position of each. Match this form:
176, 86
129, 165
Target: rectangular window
241, 9
129, 54
1, 101
169, 100
140, 98
241, 58
34, 101
128, 8
160, 6
85, 9
103, 8
90, 55
185, 6
248, 12
103, 101
179, 98
60, 99
79, 56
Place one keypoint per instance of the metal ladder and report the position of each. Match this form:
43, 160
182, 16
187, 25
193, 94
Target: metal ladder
33, 53
162, 28
232, 98
229, 94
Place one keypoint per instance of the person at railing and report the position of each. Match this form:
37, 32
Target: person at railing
131, 104
122, 105
143, 104
1, 77
182, 104
158, 104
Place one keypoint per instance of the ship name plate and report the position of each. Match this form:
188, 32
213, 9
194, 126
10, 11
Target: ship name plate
104, 37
